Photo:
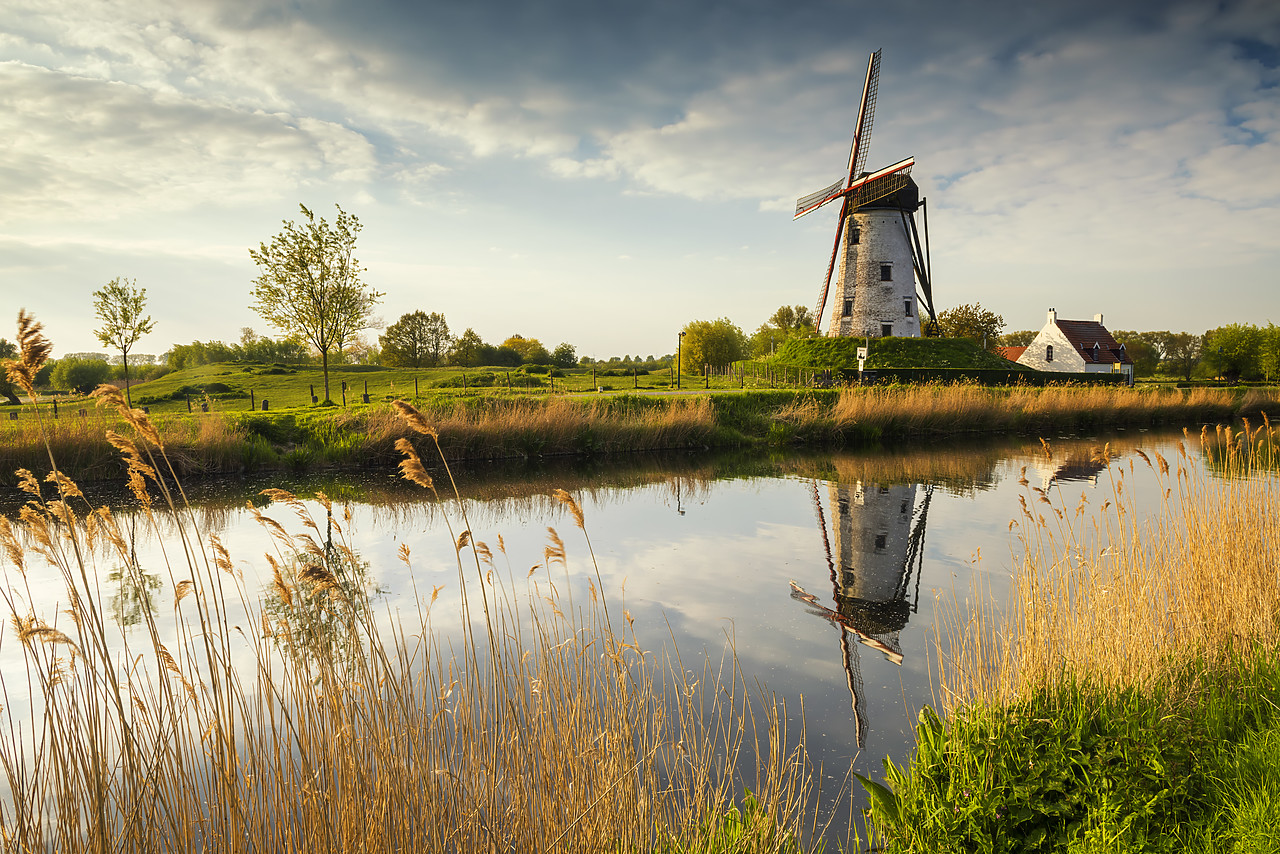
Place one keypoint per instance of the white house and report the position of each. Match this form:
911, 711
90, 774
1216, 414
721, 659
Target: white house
1078, 346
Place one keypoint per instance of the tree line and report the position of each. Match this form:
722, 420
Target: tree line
309, 287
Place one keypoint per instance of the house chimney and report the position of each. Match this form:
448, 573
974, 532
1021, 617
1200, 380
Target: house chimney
1053, 316
1097, 318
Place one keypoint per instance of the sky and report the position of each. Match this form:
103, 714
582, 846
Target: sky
601, 173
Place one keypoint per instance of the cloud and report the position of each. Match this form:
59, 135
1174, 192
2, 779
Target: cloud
83, 148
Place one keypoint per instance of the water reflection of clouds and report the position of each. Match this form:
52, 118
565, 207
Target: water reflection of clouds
704, 552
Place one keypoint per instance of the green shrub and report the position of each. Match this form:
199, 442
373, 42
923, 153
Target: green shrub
80, 375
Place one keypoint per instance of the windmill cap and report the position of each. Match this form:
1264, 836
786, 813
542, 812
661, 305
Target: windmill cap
907, 198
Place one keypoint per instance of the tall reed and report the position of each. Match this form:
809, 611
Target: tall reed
1107, 597
309, 722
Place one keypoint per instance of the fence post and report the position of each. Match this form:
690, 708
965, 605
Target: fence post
252, 403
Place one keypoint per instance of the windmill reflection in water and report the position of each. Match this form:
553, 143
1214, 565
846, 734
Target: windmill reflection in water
875, 572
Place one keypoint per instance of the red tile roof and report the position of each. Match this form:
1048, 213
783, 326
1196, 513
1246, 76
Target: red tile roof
1011, 353
1092, 341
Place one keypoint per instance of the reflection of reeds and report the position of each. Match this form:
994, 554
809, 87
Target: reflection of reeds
1107, 597
548, 728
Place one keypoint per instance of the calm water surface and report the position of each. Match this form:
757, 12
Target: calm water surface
824, 570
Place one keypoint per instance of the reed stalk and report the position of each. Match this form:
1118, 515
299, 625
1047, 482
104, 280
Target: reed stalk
305, 720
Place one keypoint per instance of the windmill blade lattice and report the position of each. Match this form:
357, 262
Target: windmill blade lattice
866, 116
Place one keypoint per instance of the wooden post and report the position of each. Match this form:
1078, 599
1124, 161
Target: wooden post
344, 394
415, 388
252, 403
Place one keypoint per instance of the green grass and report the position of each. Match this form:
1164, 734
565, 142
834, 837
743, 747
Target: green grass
1191, 766
885, 353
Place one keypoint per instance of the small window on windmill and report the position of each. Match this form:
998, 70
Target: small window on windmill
881, 541
886, 272
855, 235
848, 308
1048, 352
906, 306
886, 330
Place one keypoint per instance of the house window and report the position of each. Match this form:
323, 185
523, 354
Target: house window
848, 307
1048, 352
855, 235
906, 306
886, 272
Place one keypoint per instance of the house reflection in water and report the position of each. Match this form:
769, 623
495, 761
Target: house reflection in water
874, 555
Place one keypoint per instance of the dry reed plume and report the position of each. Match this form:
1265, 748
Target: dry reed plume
304, 721
962, 408
1104, 596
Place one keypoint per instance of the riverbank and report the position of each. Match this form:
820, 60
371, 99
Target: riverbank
479, 427
1127, 697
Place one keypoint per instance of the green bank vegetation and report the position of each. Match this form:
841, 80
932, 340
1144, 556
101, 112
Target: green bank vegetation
296, 718
1127, 698
489, 426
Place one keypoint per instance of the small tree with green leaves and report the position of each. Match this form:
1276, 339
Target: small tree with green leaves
1182, 353
972, 321
8, 350
310, 284
564, 356
466, 350
415, 340
121, 307
717, 343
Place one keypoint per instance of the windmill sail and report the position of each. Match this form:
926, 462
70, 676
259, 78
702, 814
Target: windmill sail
813, 201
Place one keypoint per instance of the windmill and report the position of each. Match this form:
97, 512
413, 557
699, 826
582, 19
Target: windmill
883, 257
879, 545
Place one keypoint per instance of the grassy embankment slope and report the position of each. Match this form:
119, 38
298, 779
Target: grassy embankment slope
488, 425
1127, 697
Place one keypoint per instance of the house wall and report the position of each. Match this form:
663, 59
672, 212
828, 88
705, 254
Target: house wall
883, 240
1065, 357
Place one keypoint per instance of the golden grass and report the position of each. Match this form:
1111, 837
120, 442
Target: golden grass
971, 408
307, 722
1106, 596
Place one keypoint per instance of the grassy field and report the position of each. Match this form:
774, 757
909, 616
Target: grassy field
1127, 697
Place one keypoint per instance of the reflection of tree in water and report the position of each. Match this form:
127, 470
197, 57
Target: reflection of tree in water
879, 546
134, 586
320, 594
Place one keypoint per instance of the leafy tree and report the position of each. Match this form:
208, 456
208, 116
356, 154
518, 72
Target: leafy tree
80, 375
415, 340
1018, 338
1232, 351
530, 349
789, 321
8, 350
466, 349
1143, 348
121, 306
310, 283
564, 356
972, 321
1182, 352
1269, 351
260, 348
711, 342
792, 318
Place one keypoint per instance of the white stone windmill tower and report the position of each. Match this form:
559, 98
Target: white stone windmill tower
877, 244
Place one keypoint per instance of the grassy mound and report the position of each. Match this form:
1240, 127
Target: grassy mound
888, 353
